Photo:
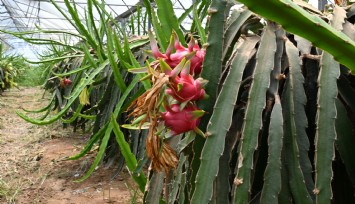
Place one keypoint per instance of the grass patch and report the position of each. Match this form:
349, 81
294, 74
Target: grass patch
31, 76
8, 192
23, 73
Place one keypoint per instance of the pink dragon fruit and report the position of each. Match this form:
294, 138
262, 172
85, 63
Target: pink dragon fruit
193, 53
180, 121
186, 88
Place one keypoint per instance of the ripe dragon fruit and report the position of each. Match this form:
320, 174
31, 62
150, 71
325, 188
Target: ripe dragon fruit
176, 71
64, 82
67, 81
186, 88
193, 53
180, 121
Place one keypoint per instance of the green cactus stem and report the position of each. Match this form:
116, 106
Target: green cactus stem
212, 68
293, 100
325, 133
325, 120
253, 115
220, 122
272, 175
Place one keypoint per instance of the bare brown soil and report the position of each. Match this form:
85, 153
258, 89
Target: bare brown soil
33, 168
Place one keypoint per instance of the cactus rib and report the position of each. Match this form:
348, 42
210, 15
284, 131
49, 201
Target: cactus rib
253, 114
212, 69
295, 123
177, 185
272, 174
272, 181
220, 122
325, 132
345, 137
231, 33
325, 119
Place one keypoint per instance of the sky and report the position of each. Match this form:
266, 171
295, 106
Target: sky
314, 3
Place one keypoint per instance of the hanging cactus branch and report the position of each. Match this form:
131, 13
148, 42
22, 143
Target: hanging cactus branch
298, 21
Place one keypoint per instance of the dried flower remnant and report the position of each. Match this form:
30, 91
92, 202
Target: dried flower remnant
162, 155
147, 103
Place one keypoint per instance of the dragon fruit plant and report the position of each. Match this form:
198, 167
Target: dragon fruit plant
176, 86
65, 82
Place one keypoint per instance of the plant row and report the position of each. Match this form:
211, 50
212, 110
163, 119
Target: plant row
243, 112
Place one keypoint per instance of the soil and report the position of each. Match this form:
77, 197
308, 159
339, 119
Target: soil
33, 164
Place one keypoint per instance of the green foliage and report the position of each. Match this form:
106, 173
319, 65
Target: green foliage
90, 82
295, 123
276, 105
253, 114
210, 67
32, 75
271, 132
10, 68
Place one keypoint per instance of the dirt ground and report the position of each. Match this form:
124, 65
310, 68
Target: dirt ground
32, 164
